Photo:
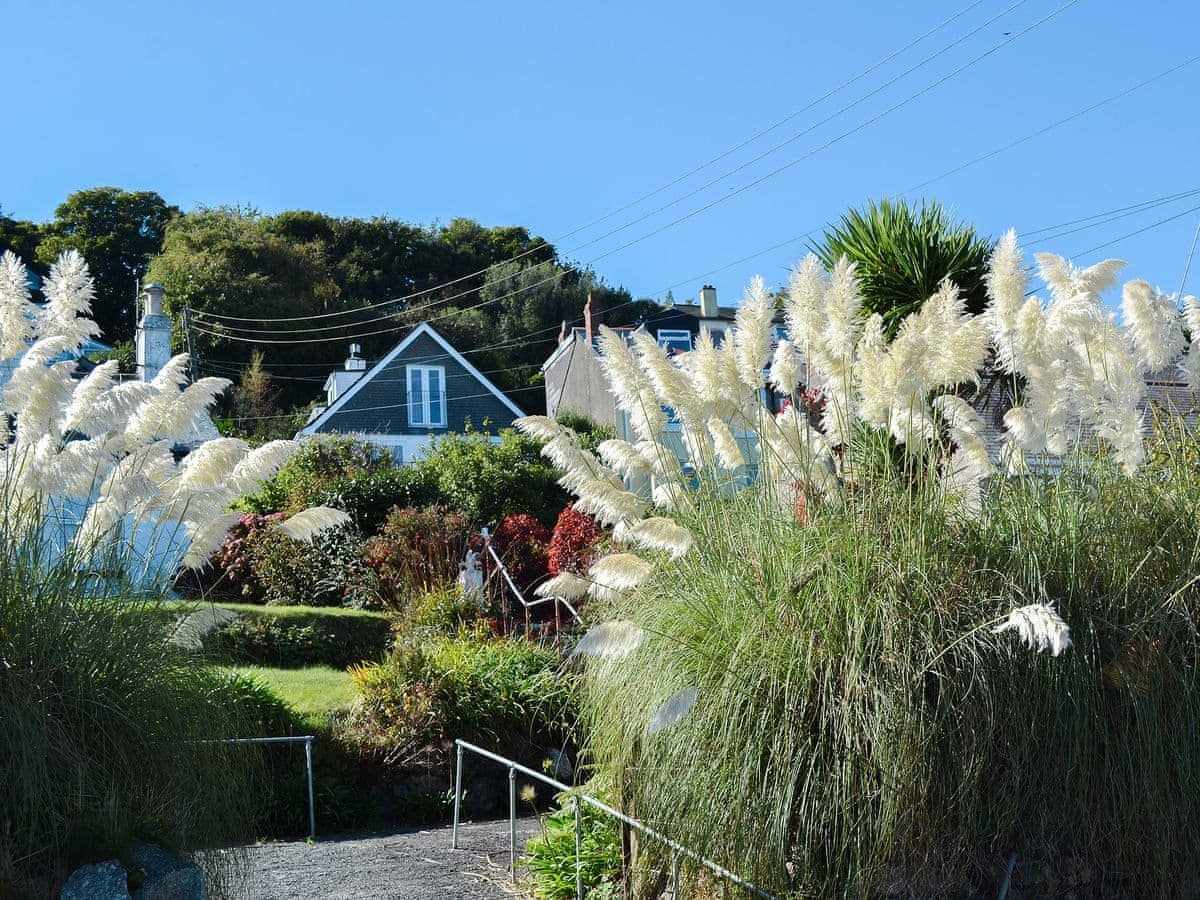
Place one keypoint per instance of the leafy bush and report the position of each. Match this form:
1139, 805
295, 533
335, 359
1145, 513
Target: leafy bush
551, 854
522, 542
445, 610
231, 571
417, 551
329, 571
504, 694
293, 641
574, 543
486, 479
590, 432
368, 497
320, 464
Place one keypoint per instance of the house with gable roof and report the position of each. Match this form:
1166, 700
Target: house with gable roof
421, 389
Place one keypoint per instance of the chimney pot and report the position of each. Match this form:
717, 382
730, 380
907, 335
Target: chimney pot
154, 299
708, 302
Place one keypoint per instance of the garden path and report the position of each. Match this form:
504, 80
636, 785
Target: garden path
401, 865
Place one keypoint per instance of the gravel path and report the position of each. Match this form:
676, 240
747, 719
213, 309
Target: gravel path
403, 864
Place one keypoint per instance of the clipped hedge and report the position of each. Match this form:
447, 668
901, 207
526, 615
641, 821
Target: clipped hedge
294, 637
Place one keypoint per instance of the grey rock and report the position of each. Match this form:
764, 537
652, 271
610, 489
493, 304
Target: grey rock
561, 767
185, 883
101, 881
167, 878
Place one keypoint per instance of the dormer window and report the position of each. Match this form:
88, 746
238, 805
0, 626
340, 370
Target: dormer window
427, 396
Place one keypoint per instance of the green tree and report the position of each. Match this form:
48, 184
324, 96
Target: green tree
117, 232
20, 237
904, 252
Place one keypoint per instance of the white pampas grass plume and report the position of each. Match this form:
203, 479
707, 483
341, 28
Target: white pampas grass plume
785, 368
619, 572
661, 533
69, 292
206, 539
566, 585
673, 710
842, 305
1039, 627
260, 464
630, 386
752, 333
610, 640
16, 312
725, 445
1067, 281
304, 526
1190, 367
623, 458
210, 464
1152, 321
608, 504
543, 428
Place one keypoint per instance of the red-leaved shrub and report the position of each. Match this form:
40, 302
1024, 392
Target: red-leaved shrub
573, 542
522, 542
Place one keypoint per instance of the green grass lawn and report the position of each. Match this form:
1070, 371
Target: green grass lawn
315, 691
281, 612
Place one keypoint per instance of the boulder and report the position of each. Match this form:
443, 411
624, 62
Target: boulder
100, 881
167, 878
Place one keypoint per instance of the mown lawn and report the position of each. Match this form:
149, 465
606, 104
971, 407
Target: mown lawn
312, 692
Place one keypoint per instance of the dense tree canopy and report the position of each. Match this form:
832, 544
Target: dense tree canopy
117, 232
498, 294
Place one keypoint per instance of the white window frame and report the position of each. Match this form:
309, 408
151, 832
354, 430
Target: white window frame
418, 413
673, 334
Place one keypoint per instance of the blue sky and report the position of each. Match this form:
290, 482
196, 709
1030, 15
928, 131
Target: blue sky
551, 115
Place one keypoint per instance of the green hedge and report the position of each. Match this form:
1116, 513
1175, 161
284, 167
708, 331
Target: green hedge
297, 636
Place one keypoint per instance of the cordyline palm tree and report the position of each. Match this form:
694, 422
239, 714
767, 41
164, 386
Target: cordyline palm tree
903, 252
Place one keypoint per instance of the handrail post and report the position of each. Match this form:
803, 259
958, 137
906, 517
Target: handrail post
312, 817
457, 794
512, 824
578, 851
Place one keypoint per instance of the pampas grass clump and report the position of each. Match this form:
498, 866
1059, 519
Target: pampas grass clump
876, 651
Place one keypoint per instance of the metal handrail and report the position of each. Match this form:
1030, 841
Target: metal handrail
308, 764
527, 604
577, 797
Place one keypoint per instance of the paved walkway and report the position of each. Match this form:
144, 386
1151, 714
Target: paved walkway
403, 864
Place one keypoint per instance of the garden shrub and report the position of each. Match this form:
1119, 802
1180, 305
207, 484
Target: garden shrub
589, 431
486, 479
292, 641
320, 463
522, 542
368, 497
417, 551
551, 854
504, 694
328, 571
446, 610
574, 543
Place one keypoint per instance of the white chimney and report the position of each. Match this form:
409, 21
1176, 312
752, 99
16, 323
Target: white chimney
153, 338
708, 302
355, 362
337, 382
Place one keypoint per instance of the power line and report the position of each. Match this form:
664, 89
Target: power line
733, 193
1142, 230
845, 84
